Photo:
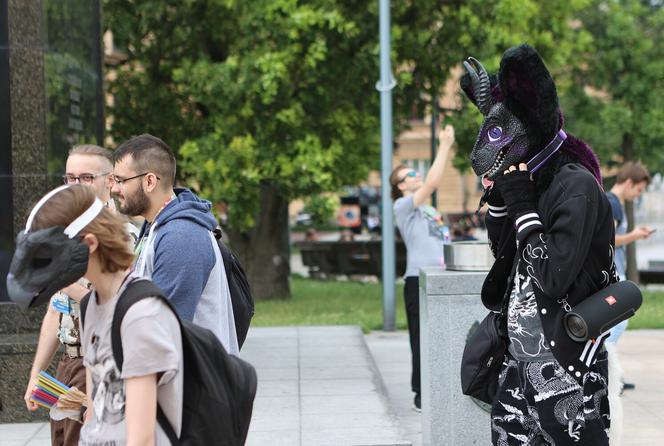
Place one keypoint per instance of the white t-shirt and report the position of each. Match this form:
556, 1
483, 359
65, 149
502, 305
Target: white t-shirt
151, 343
423, 233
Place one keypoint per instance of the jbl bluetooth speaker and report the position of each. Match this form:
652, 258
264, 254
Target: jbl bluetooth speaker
603, 311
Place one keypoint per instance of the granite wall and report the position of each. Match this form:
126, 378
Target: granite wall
50, 99
27, 105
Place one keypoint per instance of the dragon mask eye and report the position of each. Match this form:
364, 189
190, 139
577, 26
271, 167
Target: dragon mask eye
495, 133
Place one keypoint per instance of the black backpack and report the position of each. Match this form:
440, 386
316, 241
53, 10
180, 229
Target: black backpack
219, 388
238, 285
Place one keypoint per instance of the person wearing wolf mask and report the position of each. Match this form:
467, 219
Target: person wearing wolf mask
551, 230
71, 234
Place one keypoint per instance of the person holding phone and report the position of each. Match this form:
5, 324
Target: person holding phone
631, 181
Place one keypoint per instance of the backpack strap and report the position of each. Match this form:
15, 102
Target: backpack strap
136, 291
166, 426
226, 254
83, 305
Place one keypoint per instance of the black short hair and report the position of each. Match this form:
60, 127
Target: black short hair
150, 154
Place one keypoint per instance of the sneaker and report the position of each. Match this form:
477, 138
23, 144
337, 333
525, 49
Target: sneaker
628, 386
417, 402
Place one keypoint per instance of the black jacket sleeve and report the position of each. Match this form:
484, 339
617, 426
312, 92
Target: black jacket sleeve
494, 220
554, 250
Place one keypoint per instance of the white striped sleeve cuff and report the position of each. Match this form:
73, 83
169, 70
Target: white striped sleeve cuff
526, 224
498, 212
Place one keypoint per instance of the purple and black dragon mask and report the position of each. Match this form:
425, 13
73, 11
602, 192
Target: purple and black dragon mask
521, 116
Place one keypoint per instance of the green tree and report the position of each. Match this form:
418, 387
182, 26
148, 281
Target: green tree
322, 208
266, 100
618, 88
269, 100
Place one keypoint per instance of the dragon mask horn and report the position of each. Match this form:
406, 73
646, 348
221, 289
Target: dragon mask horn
481, 84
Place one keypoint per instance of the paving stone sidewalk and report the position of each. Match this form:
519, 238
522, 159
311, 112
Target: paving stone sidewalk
641, 354
317, 386
320, 386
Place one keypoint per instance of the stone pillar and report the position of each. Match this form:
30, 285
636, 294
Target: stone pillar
450, 306
50, 99
27, 137
28, 105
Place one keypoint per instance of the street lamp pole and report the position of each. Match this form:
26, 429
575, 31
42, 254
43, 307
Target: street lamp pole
385, 86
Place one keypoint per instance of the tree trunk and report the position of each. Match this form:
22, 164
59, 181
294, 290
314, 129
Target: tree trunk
265, 249
632, 271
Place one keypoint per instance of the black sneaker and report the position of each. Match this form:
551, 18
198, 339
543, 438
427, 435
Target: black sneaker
417, 402
628, 386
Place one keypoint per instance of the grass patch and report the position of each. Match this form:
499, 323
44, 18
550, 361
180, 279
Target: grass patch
651, 313
317, 302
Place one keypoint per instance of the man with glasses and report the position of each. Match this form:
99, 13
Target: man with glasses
423, 232
90, 165
176, 248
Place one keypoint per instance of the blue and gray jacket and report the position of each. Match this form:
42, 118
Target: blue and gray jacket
179, 253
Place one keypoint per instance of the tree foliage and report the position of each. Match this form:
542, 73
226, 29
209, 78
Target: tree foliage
275, 99
618, 90
267, 91
283, 90
322, 208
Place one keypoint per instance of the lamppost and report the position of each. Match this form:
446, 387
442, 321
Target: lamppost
385, 86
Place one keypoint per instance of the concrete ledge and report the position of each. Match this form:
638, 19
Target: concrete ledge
449, 307
435, 281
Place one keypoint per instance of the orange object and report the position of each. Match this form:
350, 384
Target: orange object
348, 216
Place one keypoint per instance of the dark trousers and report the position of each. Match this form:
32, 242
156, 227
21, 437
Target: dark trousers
411, 295
540, 403
71, 372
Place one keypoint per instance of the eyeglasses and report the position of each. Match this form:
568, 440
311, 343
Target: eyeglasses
85, 178
120, 181
411, 174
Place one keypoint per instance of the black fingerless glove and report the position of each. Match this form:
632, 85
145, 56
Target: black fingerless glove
519, 193
495, 199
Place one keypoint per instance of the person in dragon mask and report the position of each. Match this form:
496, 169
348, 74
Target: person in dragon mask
551, 230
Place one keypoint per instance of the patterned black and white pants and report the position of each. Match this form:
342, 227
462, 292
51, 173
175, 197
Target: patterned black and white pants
539, 403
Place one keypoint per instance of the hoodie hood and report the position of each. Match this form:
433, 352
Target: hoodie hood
188, 206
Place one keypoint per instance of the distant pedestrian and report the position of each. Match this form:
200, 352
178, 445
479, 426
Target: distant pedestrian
176, 248
423, 232
347, 236
310, 235
632, 180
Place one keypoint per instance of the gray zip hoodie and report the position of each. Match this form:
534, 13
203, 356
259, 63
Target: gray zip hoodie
180, 255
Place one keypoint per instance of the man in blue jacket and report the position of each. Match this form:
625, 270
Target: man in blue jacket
176, 247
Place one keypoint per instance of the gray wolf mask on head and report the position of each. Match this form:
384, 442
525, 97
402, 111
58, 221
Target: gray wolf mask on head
521, 115
50, 259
